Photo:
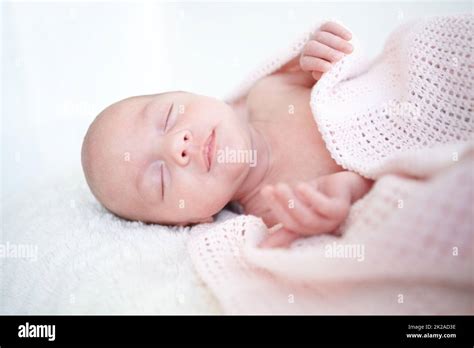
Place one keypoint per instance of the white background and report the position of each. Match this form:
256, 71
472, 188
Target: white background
62, 63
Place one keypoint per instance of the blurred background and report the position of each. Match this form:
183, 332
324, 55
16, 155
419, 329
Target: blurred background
63, 62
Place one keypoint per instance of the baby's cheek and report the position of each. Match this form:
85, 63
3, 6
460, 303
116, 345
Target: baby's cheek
212, 199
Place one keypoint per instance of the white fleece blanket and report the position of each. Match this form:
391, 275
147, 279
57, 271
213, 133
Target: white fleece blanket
406, 120
62, 253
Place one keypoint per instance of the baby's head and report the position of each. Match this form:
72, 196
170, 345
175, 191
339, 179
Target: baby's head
146, 158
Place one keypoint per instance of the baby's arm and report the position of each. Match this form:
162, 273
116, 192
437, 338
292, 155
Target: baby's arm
311, 208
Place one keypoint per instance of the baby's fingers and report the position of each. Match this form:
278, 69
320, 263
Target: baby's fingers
309, 63
280, 239
279, 207
317, 49
336, 29
328, 207
317, 75
333, 41
304, 220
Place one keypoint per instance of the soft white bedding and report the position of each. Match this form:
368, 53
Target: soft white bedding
89, 261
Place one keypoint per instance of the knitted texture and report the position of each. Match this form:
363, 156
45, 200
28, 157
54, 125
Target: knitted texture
415, 95
405, 119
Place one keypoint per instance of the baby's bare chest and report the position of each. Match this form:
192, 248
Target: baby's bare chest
284, 114
298, 152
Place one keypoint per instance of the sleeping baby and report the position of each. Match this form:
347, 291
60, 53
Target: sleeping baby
178, 158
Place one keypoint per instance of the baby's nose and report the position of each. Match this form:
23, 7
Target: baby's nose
182, 146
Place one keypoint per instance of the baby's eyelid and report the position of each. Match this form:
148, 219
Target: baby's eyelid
155, 177
162, 182
170, 111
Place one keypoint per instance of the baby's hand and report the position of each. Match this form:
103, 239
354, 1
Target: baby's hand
328, 45
311, 208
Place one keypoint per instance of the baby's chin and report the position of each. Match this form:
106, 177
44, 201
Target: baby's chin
233, 157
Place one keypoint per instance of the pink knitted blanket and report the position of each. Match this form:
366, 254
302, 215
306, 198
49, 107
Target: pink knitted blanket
404, 119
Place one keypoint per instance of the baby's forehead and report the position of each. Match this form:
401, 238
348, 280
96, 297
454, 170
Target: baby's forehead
127, 105
116, 115
125, 113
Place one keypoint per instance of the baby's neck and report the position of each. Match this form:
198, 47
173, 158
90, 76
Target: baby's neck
254, 180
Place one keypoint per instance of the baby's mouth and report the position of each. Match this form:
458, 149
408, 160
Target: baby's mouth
208, 150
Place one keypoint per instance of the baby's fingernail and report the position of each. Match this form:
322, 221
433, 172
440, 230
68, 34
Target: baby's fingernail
275, 228
326, 66
338, 55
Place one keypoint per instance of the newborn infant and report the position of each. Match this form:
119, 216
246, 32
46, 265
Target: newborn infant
178, 158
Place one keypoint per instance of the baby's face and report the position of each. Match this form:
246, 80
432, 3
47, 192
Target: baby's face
146, 158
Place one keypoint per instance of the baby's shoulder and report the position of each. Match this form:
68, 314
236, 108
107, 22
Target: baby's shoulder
268, 85
274, 92
269, 88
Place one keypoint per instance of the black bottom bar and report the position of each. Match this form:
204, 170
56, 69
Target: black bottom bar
290, 330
